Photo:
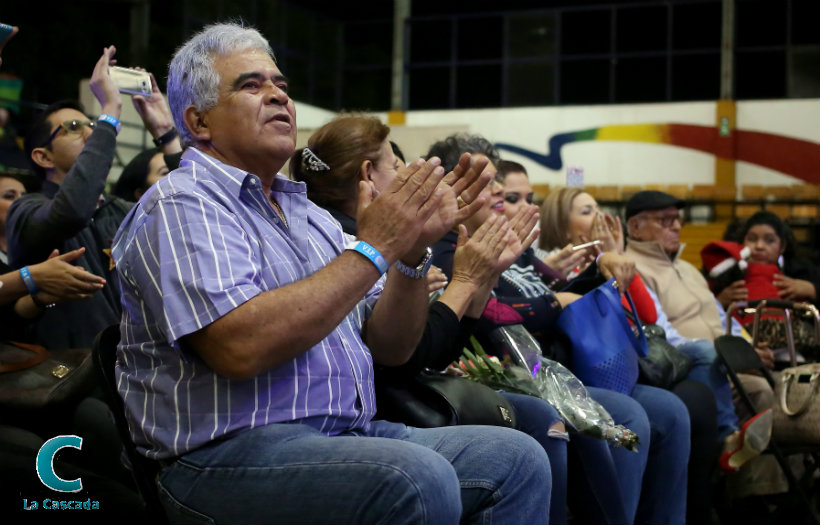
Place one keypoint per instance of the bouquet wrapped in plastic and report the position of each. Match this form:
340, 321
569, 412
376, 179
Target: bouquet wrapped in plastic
528, 372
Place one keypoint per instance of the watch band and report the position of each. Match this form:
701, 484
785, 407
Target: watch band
165, 138
114, 121
40, 304
419, 271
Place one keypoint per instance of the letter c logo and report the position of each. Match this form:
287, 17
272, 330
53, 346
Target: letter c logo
45, 463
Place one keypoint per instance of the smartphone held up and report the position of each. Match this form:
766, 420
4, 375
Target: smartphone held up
131, 81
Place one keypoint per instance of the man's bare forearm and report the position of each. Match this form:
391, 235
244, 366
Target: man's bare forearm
280, 324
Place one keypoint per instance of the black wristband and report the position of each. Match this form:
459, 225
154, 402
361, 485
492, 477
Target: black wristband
39, 304
165, 138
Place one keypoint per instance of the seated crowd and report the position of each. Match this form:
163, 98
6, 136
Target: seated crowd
263, 317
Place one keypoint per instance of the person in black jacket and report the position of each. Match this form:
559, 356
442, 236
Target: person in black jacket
73, 156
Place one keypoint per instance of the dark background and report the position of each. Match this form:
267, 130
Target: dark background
462, 54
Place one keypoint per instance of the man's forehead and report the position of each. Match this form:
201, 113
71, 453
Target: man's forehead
63, 114
244, 61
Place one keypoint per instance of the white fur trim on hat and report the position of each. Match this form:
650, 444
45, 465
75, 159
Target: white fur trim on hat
722, 266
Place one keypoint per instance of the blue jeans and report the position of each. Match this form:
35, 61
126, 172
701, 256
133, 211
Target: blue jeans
535, 417
290, 473
628, 466
663, 496
663, 429
706, 369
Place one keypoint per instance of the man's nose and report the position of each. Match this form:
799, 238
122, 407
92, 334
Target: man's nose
277, 95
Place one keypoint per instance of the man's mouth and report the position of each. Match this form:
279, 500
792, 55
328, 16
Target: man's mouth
281, 117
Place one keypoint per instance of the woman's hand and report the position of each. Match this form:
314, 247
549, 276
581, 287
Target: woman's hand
766, 355
59, 281
566, 260
735, 292
436, 279
566, 298
794, 289
608, 230
476, 257
621, 267
520, 237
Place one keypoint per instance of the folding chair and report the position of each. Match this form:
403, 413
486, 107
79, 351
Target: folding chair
143, 470
737, 355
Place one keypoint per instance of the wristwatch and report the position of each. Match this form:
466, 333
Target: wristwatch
419, 271
165, 138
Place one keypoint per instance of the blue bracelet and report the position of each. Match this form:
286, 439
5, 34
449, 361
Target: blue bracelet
28, 280
371, 253
111, 119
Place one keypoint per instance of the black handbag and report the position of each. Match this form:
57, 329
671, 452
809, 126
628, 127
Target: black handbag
664, 366
32, 377
431, 399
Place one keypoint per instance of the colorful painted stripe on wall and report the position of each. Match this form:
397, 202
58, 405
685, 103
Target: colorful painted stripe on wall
790, 156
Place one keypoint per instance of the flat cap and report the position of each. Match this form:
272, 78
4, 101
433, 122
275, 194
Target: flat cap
651, 200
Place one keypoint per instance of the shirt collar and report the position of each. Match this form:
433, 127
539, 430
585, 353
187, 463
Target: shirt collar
235, 179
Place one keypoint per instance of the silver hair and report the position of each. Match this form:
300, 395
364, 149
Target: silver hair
192, 80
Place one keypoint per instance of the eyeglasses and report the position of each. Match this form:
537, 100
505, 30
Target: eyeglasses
667, 221
70, 126
512, 198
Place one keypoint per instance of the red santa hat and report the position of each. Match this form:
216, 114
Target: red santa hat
721, 256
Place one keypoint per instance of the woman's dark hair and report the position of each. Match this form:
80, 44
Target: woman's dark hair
342, 144
134, 176
450, 149
40, 129
505, 167
781, 229
398, 152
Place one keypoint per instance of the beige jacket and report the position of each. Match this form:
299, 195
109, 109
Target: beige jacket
682, 290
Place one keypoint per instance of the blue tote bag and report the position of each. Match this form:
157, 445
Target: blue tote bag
605, 348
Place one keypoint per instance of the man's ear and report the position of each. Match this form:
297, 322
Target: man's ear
197, 124
42, 156
632, 226
366, 170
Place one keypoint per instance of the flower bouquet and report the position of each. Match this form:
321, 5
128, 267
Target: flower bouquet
553, 383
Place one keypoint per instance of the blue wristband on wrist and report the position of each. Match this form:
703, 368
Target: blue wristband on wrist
31, 286
371, 253
111, 119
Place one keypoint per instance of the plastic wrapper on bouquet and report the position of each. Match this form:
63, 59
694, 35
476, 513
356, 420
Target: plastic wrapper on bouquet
528, 372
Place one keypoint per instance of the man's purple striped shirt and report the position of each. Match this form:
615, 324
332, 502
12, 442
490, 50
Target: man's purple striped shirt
201, 242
